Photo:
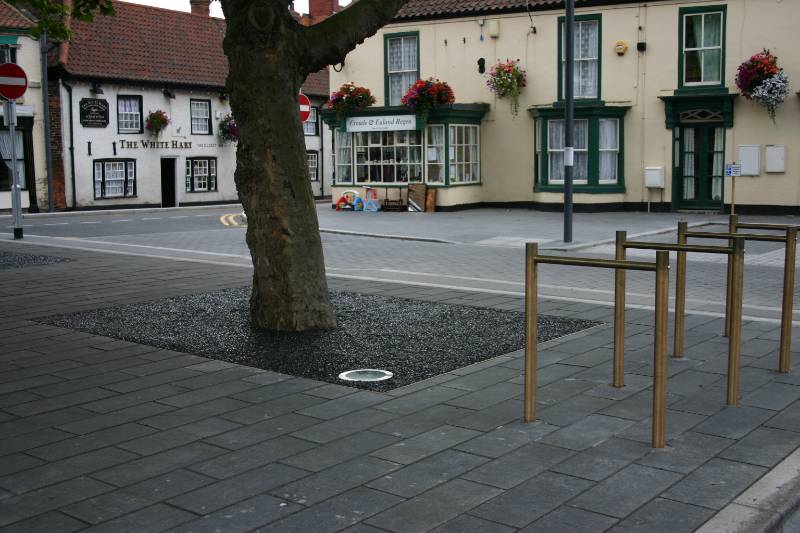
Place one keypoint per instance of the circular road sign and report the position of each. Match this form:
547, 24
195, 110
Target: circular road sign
305, 107
13, 81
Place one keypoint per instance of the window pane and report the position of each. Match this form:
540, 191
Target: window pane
712, 60
693, 31
581, 171
608, 134
555, 134
556, 167
712, 30
692, 67
581, 134
409, 53
201, 112
608, 167
395, 55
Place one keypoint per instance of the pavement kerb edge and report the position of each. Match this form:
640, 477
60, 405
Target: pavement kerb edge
765, 505
584, 245
387, 236
78, 212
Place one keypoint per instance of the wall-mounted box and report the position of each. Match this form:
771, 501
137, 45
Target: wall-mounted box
749, 157
494, 28
654, 177
775, 158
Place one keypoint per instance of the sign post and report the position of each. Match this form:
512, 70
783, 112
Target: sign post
733, 171
569, 116
13, 84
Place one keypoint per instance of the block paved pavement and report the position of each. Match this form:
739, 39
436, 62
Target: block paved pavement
107, 435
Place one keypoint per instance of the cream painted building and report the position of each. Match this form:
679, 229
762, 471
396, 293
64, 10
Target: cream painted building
655, 97
17, 47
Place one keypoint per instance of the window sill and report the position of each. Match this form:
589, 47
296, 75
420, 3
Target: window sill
130, 132
200, 192
115, 197
705, 90
588, 189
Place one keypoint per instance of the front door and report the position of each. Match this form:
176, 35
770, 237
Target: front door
168, 182
700, 167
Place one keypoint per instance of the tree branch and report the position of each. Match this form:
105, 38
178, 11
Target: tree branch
328, 42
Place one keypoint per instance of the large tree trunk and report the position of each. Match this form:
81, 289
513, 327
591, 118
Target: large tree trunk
269, 55
290, 291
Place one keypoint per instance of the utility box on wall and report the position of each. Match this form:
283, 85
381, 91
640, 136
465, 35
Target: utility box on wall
776, 158
749, 157
654, 177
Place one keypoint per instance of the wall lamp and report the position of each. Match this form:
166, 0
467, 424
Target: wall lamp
169, 93
96, 89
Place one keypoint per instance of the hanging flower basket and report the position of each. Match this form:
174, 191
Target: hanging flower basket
761, 80
228, 131
424, 95
156, 122
506, 79
349, 99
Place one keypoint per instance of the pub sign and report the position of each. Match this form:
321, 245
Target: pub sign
93, 112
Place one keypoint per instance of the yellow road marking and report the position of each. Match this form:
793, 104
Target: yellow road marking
231, 220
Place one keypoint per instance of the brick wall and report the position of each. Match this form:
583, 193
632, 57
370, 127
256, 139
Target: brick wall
57, 144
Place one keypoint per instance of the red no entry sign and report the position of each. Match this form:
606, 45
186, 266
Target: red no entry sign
305, 107
13, 81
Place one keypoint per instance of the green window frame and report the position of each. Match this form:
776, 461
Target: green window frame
580, 20
408, 71
703, 49
599, 177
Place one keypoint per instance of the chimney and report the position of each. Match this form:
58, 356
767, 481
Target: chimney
201, 7
322, 9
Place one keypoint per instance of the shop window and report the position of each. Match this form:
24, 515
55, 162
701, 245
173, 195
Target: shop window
435, 154
587, 57
402, 65
702, 46
344, 156
8, 54
201, 174
388, 156
129, 114
311, 126
114, 178
313, 165
464, 156
598, 160
201, 117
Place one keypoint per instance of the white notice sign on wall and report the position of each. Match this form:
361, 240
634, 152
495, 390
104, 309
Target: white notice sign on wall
382, 123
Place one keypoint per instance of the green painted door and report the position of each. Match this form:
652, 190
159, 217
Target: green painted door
700, 167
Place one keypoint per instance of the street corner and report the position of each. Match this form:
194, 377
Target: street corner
233, 220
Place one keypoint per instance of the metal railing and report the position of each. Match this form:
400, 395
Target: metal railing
789, 238
682, 248
660, 267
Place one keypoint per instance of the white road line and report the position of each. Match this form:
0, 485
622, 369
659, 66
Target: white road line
121, 220
181, 216
91, 222
56, 224
152, 218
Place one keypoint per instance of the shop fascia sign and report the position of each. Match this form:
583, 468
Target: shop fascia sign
382, 123
147, 144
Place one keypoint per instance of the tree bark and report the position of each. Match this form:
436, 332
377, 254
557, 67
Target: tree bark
269, 55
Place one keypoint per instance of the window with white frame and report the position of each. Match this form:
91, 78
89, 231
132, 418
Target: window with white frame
129, 114
313, 165
402, 68
702, 48
587, 58
201, 174
201, 117
388, 156
555, 151
8, 54
435, 154
311, 126
343, 154
464, 157
114, 178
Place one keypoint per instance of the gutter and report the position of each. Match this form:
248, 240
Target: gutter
71, 147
